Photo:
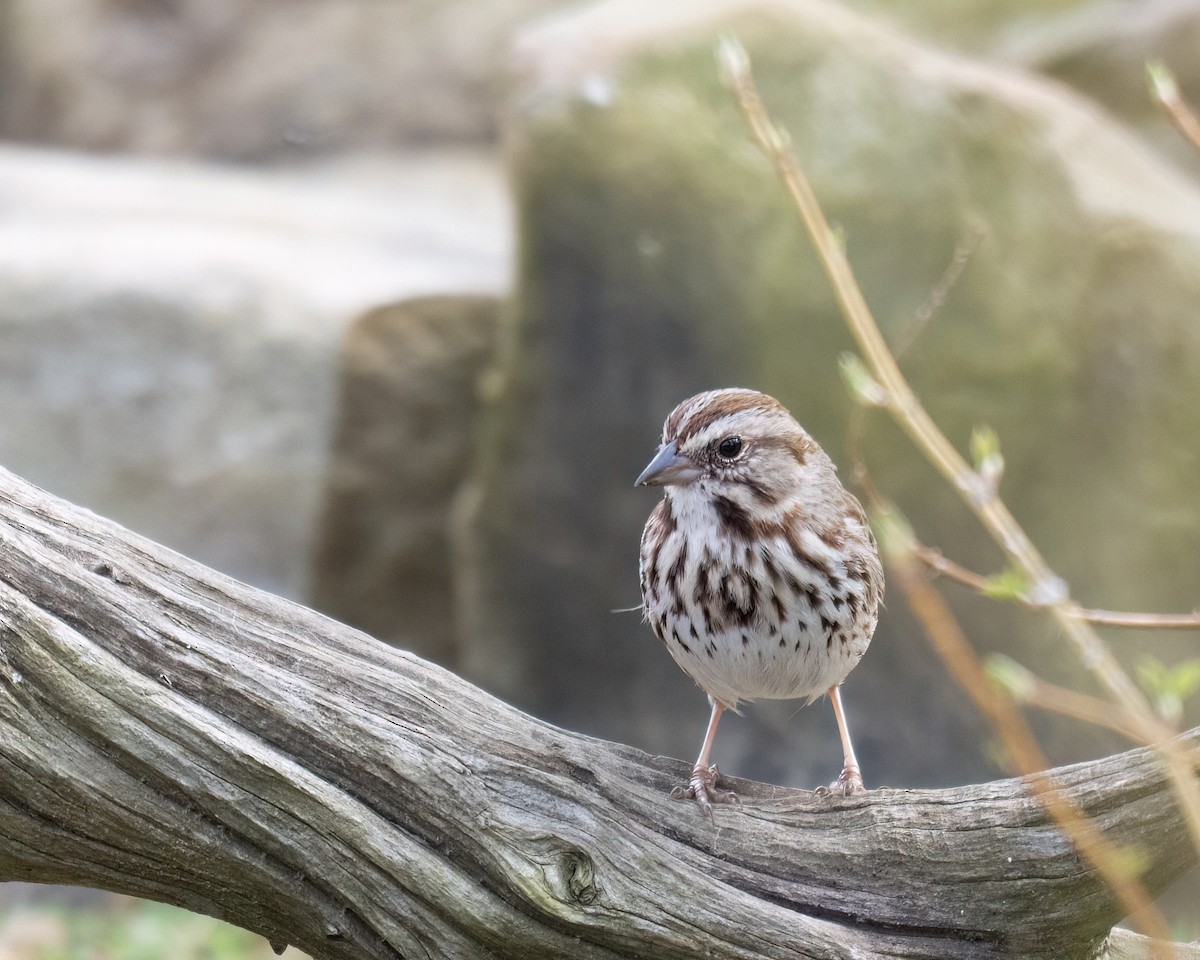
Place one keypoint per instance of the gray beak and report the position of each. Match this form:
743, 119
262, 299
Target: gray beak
667, 468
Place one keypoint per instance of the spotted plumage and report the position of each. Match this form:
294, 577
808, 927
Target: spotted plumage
758, 569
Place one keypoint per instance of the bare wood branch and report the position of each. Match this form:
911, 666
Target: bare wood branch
168, 732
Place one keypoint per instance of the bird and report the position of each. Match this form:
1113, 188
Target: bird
758, 569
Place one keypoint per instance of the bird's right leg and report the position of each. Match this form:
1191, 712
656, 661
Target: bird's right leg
702, 787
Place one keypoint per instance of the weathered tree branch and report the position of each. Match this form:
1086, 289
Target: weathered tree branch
168, 732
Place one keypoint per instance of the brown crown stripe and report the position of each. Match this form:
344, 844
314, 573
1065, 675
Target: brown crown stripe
687, 421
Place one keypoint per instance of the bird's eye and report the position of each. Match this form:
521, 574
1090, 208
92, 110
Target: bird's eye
729, 448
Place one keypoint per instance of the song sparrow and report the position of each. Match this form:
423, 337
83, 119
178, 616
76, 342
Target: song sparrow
758, 569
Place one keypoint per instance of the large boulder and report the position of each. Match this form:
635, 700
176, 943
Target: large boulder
248, 81
660, 257
171, 337
402, 442
1102, 50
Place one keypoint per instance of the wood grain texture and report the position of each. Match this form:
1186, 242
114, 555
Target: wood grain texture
169, 732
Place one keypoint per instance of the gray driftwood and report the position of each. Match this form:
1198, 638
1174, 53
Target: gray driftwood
168, 732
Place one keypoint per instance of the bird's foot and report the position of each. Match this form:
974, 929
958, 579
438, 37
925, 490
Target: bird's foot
848, 783
702, 787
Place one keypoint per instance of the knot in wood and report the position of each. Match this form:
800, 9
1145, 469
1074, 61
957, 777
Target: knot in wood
104, 569
579, 873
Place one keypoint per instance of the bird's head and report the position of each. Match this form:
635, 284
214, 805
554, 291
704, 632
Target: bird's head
735, 442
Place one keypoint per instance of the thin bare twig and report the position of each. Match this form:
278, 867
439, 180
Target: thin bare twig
936, 561
1046, 588
1166, 91
1036, 692
937, 296
1141, 621
1022, 748
1040, 693
942, 565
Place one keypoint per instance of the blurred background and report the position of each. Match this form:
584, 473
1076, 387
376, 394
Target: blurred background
380, 304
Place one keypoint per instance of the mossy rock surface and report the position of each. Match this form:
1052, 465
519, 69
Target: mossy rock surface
659, 257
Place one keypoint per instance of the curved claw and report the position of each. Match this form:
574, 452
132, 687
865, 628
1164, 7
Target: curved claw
702, 787
848, 783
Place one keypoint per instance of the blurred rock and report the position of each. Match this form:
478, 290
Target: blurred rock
976, 26
402, 442
1098, 47
170, 335
660, 257
1102, 49
232, 80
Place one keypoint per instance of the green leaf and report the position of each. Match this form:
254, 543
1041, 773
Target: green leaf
1186, 677
864, 388
838, 231
985, 452
732, 60
1010, 676
1168, 686
984, 443
894, 533
1011, 584
1131, 861
1162, 81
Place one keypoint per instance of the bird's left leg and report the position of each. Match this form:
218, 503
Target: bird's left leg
850, 780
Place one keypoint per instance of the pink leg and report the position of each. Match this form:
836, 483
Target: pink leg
850, 780
710, 734
702, 787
